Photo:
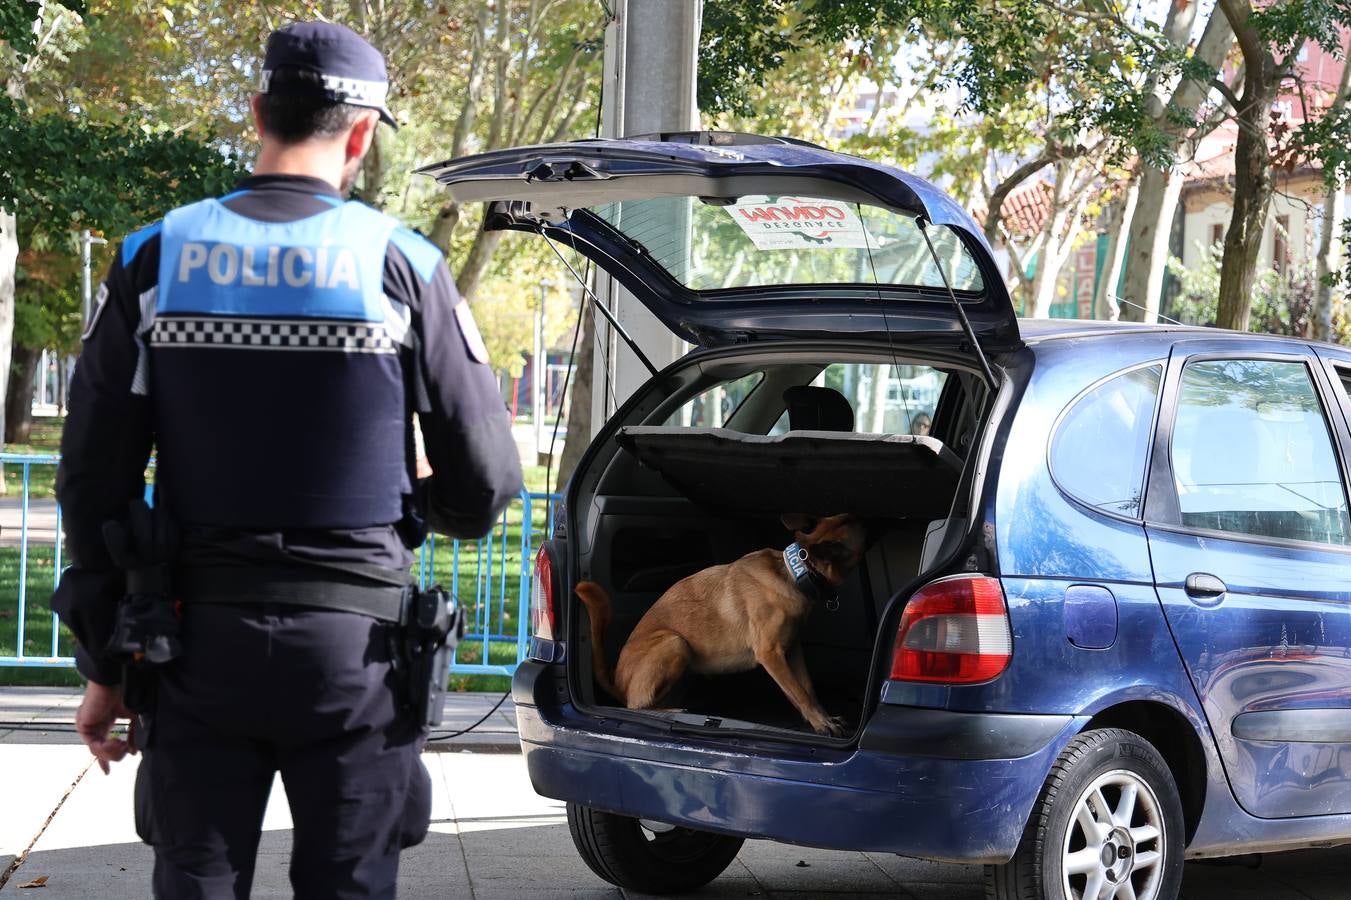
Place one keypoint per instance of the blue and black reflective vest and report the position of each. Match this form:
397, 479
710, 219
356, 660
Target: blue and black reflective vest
274, 370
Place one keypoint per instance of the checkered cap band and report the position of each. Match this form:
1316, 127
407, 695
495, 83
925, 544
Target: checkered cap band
343, 90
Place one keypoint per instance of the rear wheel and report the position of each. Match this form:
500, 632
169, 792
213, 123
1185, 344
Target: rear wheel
649, 857
1107, 826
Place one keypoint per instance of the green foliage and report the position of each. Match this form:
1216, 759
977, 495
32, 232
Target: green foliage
1285, 26
1281, 303
739, 44
68, 173
16, 23
47, 307
65, 173
1085, 67
1327, 139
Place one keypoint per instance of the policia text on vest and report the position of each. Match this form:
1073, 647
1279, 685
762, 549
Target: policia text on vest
298, 267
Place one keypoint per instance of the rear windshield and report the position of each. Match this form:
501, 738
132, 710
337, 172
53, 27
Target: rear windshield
756, 241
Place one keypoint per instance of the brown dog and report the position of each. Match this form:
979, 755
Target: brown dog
728, 618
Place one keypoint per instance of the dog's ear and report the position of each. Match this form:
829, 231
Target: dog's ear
832, 552
798, 521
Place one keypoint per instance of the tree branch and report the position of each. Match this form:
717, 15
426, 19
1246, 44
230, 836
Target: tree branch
464, 124
1227, 92
1250, 43
994, 212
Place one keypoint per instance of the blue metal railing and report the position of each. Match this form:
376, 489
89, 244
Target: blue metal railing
490, 577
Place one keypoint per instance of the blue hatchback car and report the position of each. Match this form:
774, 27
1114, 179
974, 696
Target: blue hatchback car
1103, 620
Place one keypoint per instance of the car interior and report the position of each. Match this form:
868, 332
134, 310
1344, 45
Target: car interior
702, 476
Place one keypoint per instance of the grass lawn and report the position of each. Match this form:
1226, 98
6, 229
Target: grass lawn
486, 576
45, 439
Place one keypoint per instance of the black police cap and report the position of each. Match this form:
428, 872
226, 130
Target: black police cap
350, 70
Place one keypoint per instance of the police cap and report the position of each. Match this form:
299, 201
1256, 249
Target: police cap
351, 71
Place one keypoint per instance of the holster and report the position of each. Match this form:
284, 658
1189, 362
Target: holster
145, 632
429, 630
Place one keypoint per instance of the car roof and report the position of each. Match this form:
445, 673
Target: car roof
1036, 331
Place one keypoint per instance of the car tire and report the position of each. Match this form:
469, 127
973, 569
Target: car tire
1109, 789
647, 857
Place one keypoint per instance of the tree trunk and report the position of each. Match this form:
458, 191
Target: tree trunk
995, 204
1059, 232
579, 407
1147, 241
9, 255
1329, 259
443, 226
1252, 198
1044, 284
877, 414
19, 395
62, 384
1147, 250
1123, 214
373, 173
476, 262
1329, 246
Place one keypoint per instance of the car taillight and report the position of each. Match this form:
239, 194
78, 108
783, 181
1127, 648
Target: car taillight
542, 597
954, 631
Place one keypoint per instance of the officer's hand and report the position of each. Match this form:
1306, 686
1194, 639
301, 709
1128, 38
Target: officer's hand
102, 706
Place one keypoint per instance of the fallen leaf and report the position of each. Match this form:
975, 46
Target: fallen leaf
40, 881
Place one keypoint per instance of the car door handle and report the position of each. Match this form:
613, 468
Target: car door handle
1202, 586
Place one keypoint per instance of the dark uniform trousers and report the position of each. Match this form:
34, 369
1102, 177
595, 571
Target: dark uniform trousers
266, 688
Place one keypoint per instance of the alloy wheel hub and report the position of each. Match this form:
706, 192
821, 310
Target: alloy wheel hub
1117, 852
1114, 846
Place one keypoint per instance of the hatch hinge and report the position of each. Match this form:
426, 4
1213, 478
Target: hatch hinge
550, 170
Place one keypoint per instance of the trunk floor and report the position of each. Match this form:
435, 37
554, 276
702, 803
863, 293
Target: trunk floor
754, 697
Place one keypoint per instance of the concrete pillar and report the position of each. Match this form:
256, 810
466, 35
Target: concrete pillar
651, 50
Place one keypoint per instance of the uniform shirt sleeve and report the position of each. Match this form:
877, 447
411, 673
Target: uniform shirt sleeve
104, 449
476, 469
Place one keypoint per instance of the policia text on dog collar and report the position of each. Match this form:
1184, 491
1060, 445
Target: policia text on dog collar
811, 584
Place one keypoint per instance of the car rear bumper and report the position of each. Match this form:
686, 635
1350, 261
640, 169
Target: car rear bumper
924, 783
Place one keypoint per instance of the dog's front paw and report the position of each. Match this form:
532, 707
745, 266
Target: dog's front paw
831, 725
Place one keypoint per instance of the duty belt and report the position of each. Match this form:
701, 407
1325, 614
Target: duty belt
296, 585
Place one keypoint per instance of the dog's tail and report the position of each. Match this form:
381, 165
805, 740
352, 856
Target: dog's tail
597, 604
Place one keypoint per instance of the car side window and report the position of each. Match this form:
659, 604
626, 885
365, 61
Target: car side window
713, 407
1098, 452
1252, 453
885, 398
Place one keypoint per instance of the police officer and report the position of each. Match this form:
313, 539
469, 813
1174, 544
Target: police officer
273, 345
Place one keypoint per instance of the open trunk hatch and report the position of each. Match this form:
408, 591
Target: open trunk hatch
728, 238
700, 474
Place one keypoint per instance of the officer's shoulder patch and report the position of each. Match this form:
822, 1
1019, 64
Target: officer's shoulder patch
132, 244
473, 341
100, 301
421, 253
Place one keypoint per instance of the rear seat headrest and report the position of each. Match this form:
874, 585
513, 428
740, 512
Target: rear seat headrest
813, 408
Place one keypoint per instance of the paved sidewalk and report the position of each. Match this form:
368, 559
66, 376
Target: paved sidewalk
492, 837
41, 521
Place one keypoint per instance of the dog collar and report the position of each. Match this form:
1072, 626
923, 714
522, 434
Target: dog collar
807, 579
